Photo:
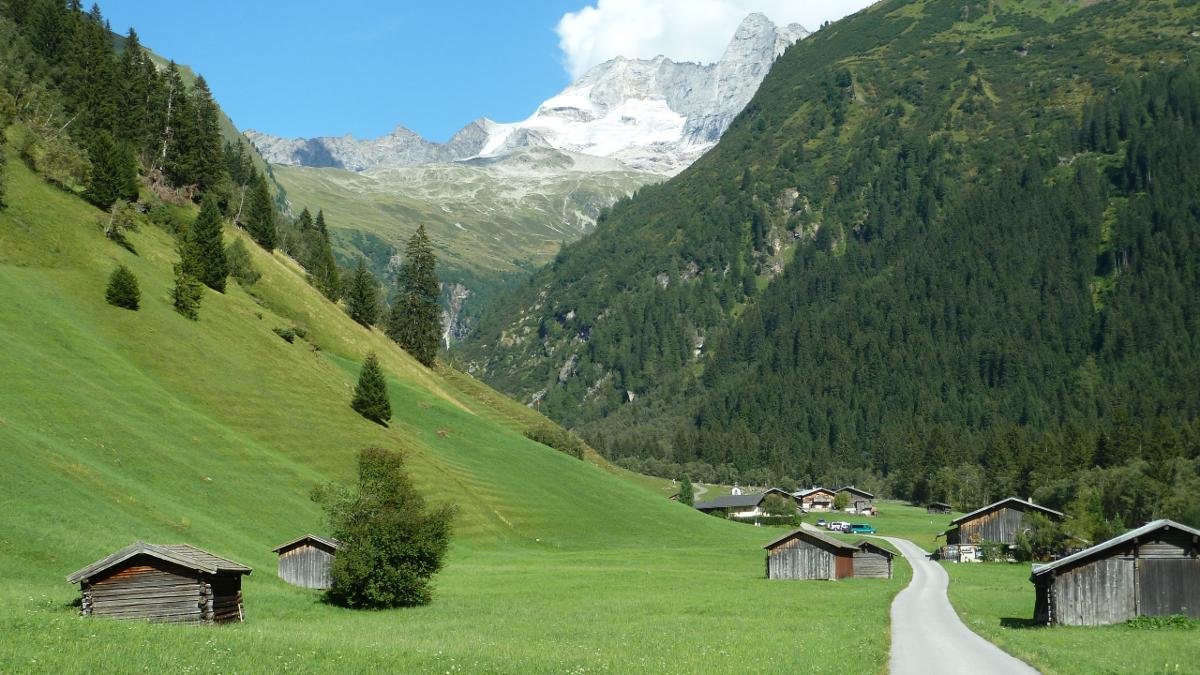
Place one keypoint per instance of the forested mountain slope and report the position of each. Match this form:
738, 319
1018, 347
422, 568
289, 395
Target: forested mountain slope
958, 232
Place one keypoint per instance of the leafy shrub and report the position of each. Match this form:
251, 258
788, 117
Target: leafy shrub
1174, 621
123, 289
558, 438
287, 334
241, 267
392, 543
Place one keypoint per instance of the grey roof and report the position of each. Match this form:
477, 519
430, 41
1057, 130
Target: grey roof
178, 554
872, 545
1070, 560
736, 501
325, 541
851, 488
811, 536
1024, 505
805, 493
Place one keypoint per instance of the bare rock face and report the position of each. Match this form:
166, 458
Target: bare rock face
651, 115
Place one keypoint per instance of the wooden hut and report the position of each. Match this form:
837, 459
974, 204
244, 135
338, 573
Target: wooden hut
872, 561
997, 522
858, 500
305, 561
938, 507
802, 554
1151, 571
176, 583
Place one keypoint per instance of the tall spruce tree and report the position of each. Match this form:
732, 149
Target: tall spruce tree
205, 244
415, 322
362, 295
371, 395
188, 291
686, 494
114, 172
259, 213
325, 271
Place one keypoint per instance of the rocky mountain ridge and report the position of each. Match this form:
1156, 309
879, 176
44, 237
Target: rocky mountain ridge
651, 115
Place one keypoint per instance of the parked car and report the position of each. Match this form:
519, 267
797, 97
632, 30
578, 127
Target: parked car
839, 526
821, 522
862, 528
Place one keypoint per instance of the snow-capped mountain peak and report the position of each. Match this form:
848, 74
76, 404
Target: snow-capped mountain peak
653, 115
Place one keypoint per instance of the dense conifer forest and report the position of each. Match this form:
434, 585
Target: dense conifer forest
948, 252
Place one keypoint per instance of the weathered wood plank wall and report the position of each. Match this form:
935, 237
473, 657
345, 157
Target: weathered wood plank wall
306, 566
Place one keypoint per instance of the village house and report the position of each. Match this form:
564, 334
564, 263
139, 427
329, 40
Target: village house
741, 506
999, 522
816, 499
305, 561
176, 583
859, 501
1153, 570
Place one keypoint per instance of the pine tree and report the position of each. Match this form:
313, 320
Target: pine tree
188, 290
325, 274
686, 494
123, 289
114, 172
415, 322
371, 395
362, 296
260, 213
204, 243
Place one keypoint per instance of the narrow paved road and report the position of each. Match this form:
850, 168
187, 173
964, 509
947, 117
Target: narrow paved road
928, 637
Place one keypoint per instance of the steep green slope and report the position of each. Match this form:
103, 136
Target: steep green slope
119, 425
493, 223
871, 188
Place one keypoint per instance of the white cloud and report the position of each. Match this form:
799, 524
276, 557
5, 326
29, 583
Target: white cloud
684, 30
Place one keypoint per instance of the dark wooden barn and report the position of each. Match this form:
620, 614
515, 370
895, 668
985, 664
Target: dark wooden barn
937, 507
801, 554
175, 583
305, 561
872, 561
1151, 571
997, 522
857, 499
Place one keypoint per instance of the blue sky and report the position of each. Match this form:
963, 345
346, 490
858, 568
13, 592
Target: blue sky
309, 68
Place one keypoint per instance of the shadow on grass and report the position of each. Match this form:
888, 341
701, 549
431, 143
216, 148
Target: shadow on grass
1013, 622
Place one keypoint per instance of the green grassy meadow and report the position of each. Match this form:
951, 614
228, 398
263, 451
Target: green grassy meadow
119, 425
996, 601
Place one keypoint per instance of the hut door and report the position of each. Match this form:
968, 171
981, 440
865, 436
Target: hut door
1169, 586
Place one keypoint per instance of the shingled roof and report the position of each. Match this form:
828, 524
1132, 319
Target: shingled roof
1069, 561
329, 542
813, 537
183, 555
1019, 504
738, 501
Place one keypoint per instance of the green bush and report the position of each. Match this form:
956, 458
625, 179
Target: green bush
558, 438
123, 289
391, 542
287, 334
241, 267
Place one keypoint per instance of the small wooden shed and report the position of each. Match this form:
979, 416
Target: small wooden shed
173, 583
997, 522
937, 507
872, 561
802, 554
305, 561
1153, 570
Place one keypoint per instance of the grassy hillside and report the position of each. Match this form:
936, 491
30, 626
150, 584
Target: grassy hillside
118, 425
